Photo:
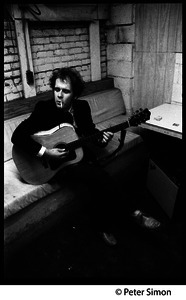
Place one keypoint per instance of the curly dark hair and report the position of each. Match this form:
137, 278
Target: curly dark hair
68, 73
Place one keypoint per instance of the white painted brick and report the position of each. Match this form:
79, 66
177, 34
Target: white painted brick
120, 68
12, 50
82, 56
7, 67
39, 82
41, 54
11, 58
51, 46
15, 65
12, 96
40, 75
57, 39
82, 44
44, 88
38, 41
48, 32
49, 60
8, 43
16, 89
9, 34
5, 51
84, 37
34, 56
44, 68
8, 82
74, 50
67, 31
68, 58
38, 62
37, 48
79, 31
119, 52
84, 68
86, 61
49, 74
67, 45
72, 38
56, 59
49, 53
16, 72
74, 63
59, 65
17, 80
13, 73
60, 52
86, 49
78, 69
46, 80
36, 33
8, 24
7, 90
121, 14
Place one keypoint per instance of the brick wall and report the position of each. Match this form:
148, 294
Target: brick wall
53, 45
12, 75
58, 46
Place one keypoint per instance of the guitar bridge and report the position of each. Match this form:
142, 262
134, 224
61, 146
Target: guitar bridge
55, 165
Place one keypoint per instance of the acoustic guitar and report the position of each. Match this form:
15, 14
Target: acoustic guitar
36, 170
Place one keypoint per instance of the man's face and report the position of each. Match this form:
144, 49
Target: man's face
63, 94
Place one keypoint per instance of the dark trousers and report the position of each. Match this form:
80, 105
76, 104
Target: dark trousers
101, 198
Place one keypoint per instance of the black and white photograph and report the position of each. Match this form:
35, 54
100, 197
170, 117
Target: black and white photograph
93, 148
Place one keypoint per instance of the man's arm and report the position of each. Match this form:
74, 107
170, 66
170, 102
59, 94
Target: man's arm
22, 134
86, 125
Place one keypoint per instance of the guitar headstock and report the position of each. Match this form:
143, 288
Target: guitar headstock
140, 116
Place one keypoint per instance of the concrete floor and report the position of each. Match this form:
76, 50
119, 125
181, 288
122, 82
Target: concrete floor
72, 253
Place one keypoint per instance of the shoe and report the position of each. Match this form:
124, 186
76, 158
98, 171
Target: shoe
145, 221
109, 238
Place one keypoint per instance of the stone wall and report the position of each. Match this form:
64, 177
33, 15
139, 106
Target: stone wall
121, 39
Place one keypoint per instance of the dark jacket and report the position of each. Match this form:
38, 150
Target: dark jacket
46, 116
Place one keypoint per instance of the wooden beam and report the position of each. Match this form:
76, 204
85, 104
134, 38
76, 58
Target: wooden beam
64, 12
25, 56
94, 36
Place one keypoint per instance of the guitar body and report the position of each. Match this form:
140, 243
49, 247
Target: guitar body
36, 170
32, 169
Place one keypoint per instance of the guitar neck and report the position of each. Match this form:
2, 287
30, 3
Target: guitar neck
78, 143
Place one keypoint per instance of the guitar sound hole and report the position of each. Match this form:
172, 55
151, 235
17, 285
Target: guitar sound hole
61, 146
